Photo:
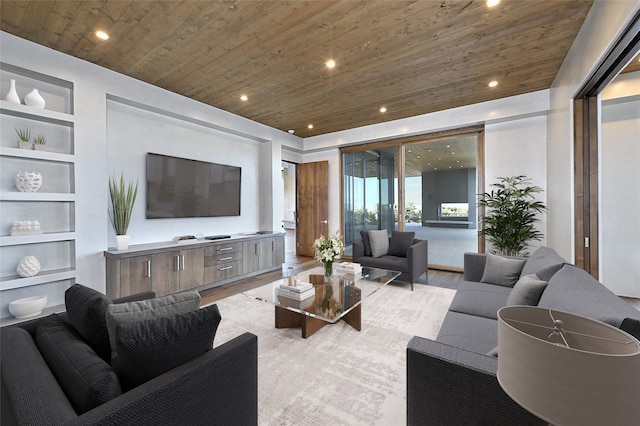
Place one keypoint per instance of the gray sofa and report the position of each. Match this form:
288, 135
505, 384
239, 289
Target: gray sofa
452, 380
51, 375
409, 258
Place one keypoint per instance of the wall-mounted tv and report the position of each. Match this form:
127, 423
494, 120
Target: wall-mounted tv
179, 187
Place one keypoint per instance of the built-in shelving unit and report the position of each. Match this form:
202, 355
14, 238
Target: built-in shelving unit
53, 205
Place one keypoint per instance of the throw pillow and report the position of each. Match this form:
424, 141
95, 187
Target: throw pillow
86, 310
544, 262
379, 242
365, 241
149, 348
502, 270
87, 380
400, 243
165, 306
527, 291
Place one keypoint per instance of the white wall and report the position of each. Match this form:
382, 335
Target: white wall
601, 28
245, 142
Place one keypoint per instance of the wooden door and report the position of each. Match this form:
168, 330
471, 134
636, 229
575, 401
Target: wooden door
312, 205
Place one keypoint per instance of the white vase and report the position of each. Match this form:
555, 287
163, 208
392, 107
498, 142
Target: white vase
28, 267
122, 242
12, 96
34, 99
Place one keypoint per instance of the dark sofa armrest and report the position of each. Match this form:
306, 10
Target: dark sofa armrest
450, 385
357, 250
418, 258
218, 387
474, 266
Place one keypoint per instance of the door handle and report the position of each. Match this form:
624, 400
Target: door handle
182, 261
148, 262
324, 221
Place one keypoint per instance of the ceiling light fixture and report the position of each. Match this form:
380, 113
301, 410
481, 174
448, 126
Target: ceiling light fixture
291, 131
493, 83
331, 63
102, 35
383, 110
310, 126
244, 98
492, 3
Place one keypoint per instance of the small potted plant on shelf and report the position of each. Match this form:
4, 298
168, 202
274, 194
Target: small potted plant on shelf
512, 214
39, 142
25, 138
123, 197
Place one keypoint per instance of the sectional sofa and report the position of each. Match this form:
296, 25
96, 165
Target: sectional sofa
452, 379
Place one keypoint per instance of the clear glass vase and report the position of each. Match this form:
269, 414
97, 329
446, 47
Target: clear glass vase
328, 271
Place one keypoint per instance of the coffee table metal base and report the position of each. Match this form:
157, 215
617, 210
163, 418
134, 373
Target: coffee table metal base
285, 318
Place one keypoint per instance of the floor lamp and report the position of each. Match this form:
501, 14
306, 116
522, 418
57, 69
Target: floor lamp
567, 369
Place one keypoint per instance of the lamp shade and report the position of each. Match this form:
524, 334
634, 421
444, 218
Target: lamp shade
568, 369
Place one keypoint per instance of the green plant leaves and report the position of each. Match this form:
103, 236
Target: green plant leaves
123, 197
511, 214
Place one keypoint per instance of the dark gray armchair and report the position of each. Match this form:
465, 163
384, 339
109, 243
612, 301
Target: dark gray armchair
412, 265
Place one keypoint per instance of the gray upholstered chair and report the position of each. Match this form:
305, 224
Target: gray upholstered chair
406, 255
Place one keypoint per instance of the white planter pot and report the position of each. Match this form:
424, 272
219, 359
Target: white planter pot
122, 242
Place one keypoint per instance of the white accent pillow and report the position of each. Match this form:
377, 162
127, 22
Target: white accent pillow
379, 240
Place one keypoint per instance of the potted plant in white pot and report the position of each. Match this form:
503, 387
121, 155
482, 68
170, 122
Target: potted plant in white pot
25, 138
512, 214
123, 197
39, 143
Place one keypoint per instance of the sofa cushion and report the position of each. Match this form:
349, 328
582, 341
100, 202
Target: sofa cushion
544, 262
86, 309
527, 291
393, 263
28, 385
143, 310
149, 348
502, 270
479, 302
400, 243
366, 242
87, 380
477, 334
379, 242
574, 290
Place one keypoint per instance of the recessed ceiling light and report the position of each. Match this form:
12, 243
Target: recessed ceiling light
492, 3
102, 35
417, 156
331, 63
453, 153
244, 98
310, 126
493, 83
383, 110
448, 146
409, 150
291, 131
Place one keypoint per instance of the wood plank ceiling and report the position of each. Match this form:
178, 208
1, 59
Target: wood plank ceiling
412, 57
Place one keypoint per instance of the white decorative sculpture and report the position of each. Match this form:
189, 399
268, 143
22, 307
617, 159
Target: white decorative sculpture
26, 227
28, 181
12, 95
28, 267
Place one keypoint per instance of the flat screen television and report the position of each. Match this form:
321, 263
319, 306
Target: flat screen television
179, 187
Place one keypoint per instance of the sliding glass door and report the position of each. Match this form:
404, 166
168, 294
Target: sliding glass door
427, 185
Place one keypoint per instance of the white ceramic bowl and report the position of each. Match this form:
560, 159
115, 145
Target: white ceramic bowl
27, 307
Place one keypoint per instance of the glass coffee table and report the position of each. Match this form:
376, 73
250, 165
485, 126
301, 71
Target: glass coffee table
322, 302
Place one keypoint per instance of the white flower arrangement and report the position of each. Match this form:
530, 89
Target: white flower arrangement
328, 249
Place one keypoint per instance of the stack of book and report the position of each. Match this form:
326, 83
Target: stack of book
354, 269
299, 297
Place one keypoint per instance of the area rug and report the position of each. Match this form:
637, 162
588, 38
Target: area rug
338, 376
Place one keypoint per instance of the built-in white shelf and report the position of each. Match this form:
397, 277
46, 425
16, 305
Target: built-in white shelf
16, 281
14, 240
36, 196
36, 113
45, 312
37, 155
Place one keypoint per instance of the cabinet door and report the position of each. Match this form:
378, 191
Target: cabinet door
251, 256
191, 264
278, 251
165, 278
135, 275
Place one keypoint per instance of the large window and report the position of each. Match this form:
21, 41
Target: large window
427, 185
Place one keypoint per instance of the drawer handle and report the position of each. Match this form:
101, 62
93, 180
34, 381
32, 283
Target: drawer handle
225, 249
222, 259
225, 268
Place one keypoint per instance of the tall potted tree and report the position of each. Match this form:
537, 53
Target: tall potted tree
123, 197
511, 215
